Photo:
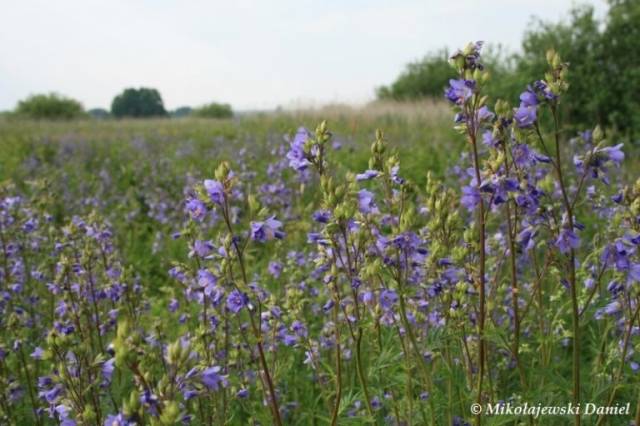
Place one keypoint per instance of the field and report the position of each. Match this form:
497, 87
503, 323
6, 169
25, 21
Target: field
243, 271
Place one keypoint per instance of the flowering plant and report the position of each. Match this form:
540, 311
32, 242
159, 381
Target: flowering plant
304, 293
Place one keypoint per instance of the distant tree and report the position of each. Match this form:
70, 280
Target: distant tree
604, 64
181, 112
99, 113
214, 110
620, 53
49, 107
579, 43
424, 78
142, 102
428, 77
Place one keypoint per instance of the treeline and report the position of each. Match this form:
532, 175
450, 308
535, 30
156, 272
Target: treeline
131, 103
604, 67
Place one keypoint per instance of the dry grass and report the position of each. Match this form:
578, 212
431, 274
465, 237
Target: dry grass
428, 112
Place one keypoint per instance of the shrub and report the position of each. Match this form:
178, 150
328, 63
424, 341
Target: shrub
99, 113
142, 102
214, 110
50, 107
181, 112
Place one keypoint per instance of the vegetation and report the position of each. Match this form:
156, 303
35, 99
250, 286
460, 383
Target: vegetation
252, 271
214, 110
137, 103
604, 80
49, 107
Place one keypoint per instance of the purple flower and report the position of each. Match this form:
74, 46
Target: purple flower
107, 369
394, 175
37, 353
542, 87
366, 203
484, 114
525, 116
212, 378
388, 298
528, 98
206, 280
267, 230
275, 268
489, 140
196, 208
296, 156
567, 240
215, 189
203, 248
236, 300
321, 216
524, 156
367, 175
117, 420
51, 395
613, 153
459, 90
470, 197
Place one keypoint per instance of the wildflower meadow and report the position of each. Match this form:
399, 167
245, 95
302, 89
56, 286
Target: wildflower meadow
478, 266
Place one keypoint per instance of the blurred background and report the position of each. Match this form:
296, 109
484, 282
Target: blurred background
216, 59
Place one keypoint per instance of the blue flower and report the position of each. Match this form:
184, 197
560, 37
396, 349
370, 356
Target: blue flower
525, 116
236, 300
267, 230
459, 90
567, 240
107, 369
366, 203
212, 378
37, 353
196, 208
388, 298
296, 156
215, 189
470, 197
321, 216
528, 98
367, 175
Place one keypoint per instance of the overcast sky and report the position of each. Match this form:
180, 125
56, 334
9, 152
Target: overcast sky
252, 54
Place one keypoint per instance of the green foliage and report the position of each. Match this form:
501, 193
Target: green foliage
214, 110
424, 78
429, 77
604, 71
99, 113
142, 102
604, 68
181, 112
621, 66
49, 107
579, 43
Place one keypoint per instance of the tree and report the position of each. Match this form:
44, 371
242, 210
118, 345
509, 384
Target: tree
579, 43
425, 78
50, 106
428, 77
621, 66
142, 102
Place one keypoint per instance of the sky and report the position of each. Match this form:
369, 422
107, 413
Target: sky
251, 54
